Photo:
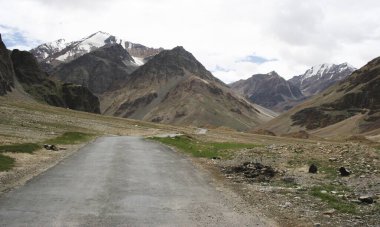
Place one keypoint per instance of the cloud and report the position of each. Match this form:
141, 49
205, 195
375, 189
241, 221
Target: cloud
256, 59
297, 33
220, 69
16, 39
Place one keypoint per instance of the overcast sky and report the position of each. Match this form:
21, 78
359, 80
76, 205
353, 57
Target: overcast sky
233, 39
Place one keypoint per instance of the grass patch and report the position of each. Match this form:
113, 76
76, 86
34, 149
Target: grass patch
325, 166
6, 163
20, 148
202, 149
332, 200
71, 138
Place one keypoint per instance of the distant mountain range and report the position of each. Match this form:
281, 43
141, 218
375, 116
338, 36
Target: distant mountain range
274, 92
131, 80
351, 106
174, 88
104, 74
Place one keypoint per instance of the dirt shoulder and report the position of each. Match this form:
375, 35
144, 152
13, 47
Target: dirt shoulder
295, 197
28, 166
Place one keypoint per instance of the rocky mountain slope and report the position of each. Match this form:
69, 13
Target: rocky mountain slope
52, 54
37, 83
6, 70
104, 69
173, 87
321, 77
21, 67
350, 107
268, 90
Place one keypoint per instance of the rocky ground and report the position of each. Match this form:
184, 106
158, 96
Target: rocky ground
286, 192
275, 178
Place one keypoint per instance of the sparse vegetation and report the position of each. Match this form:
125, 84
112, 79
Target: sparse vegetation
202, 149
20, 148
325, 194
71, 138
6, 163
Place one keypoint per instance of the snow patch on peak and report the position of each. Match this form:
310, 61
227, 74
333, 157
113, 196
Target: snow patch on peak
317, 70
138, 61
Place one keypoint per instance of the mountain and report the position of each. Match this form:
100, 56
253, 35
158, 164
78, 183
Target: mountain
38, 84
52, 54
321, 77
104, 69
6, 70
268, 90
350, 107
20, 73
173, 87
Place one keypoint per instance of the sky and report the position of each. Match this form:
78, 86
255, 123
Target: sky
233, 39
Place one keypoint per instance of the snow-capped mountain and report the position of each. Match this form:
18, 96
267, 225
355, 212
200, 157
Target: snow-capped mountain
45, 50
60, 51
320, 77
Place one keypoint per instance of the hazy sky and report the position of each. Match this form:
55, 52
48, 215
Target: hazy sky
232, 38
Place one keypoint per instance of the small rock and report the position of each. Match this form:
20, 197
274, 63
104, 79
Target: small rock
329, 212
51, 147
344, 172
216, 158
332, 159
317, 224
313, 168
366, 199
287, 204
323, 191
362, 176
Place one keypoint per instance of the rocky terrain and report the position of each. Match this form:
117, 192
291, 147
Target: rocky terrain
22, 68
320, 77
274, 177
38, 84
6, 70
269, 90
174, 88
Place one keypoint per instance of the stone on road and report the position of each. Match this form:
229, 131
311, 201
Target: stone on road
122, 181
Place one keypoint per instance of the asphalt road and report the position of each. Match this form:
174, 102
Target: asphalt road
122, 181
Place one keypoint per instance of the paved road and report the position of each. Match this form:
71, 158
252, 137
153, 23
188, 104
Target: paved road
121, 181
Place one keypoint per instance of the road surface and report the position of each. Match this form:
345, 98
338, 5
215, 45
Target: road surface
122, 181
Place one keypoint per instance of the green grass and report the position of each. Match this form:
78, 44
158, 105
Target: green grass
325, 166
202, 149
6, 163
71, 138
20, 148
332, 200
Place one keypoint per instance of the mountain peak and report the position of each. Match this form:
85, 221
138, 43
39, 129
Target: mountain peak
273, 73
60, 51
320, 77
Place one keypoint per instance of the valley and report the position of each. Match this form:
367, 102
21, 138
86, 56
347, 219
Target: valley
271, 149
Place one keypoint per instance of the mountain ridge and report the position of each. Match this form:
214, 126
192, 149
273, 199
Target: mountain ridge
173, 87
54, 53
268, 90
